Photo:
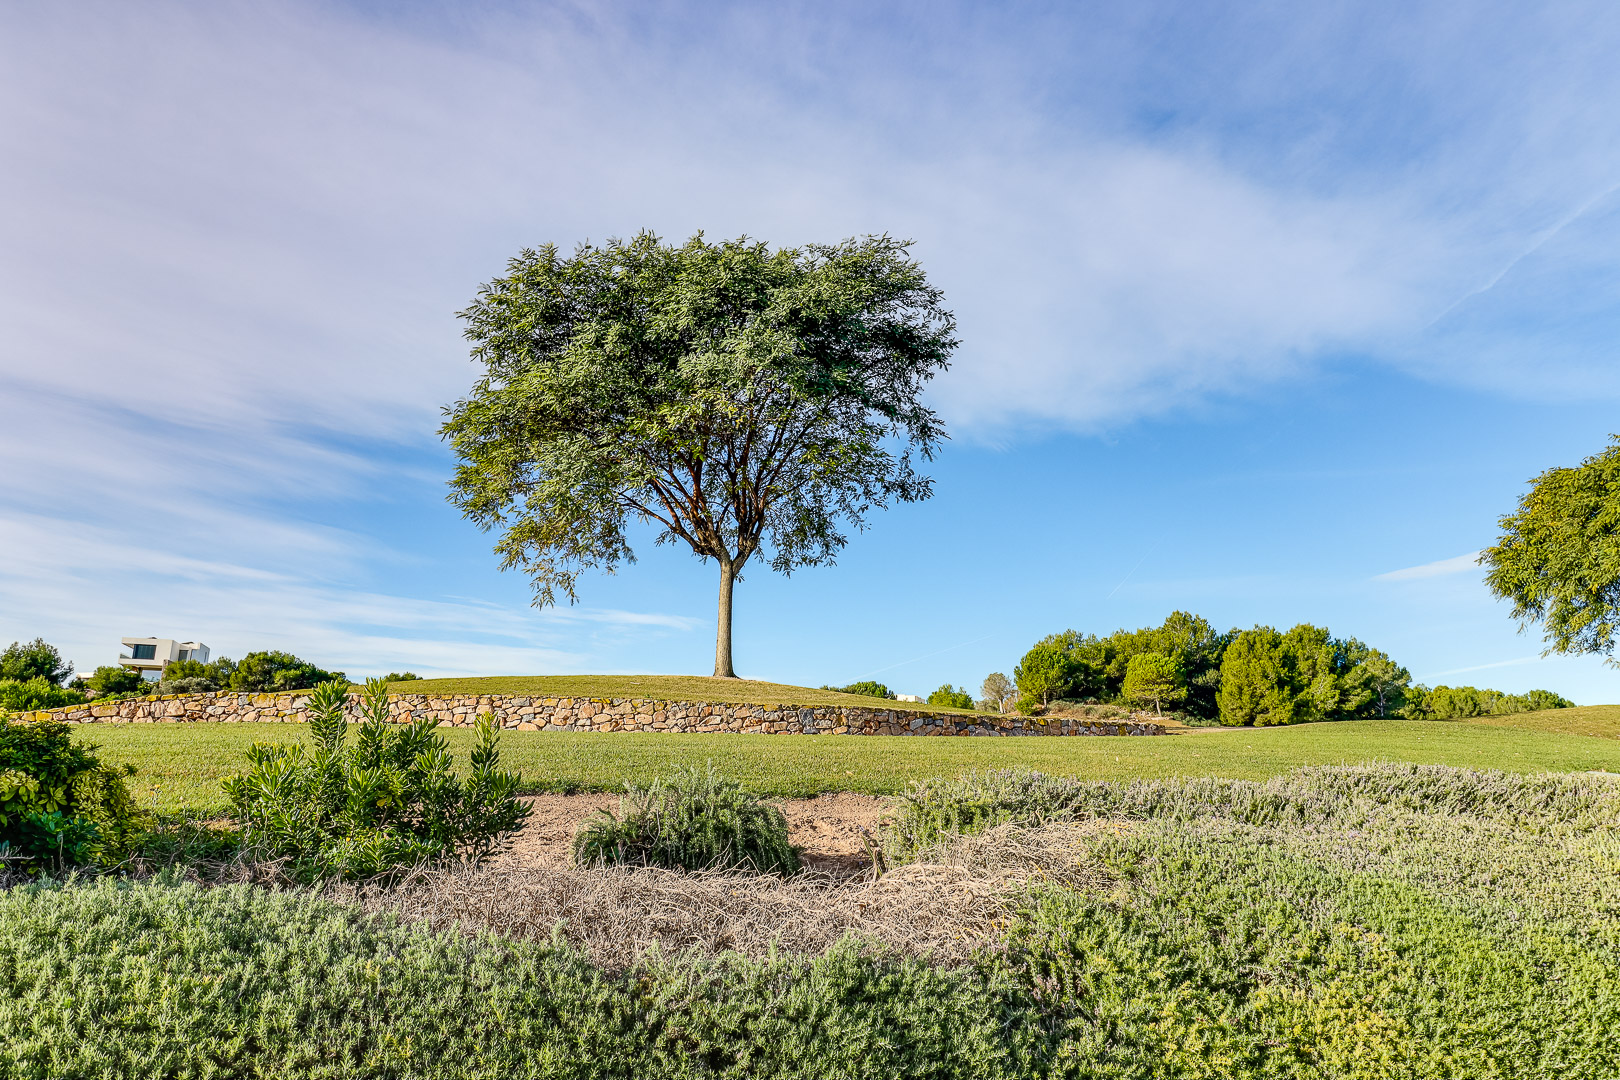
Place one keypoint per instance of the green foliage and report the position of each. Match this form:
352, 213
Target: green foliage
37, 659
1047, 672
1156, 679
865, 688
1307, 675
389, 800
117, 979
36, 693
219, 672
111, 679
1382, 921
996, 692
1538, 700
184, 686
694, 820
268, 672
1257, 686
1558, 558
60, 806
1465, 702
736, 396
401, 676
1333, 924
951, 697
1095, 668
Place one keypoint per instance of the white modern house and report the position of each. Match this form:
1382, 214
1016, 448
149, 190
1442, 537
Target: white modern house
150, 655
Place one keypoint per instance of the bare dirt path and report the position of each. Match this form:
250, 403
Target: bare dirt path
827, 828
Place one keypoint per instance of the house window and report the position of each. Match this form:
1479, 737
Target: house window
185, 654
142, 652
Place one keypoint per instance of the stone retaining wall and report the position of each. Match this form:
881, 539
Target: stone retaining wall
595, 714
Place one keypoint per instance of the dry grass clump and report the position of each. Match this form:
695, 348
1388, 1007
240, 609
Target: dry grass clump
947, 905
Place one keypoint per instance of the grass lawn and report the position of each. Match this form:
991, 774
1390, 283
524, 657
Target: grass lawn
661, 687
180, 765
1602, 721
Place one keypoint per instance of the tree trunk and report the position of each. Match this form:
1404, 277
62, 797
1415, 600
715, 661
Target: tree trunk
722, 637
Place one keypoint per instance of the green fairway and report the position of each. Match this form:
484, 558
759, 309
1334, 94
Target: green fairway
659, 687
180, 765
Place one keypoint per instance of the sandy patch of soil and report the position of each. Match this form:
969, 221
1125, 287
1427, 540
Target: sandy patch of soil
827, 828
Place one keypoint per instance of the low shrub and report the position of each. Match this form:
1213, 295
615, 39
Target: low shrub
694, 820
934, 810
401, 676
113, 679
195, 684
37, 693
389, 800
121, 979
60, 806
865, 688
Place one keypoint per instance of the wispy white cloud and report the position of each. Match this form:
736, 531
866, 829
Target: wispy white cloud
1457, 564
1516, 662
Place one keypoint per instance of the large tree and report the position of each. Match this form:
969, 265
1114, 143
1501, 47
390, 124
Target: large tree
736, 398
37, 659
1558, 558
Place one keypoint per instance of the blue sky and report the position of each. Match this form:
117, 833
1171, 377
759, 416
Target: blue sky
1267, 313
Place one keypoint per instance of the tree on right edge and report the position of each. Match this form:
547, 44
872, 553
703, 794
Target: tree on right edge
1558, 558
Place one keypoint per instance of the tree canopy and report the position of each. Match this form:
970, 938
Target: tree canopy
736, 398
1154, 678
37, 659
1558, 558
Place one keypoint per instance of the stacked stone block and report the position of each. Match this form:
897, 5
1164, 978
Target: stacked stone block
539, 713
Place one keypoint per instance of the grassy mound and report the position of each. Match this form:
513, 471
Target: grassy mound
662, 688
1600, 721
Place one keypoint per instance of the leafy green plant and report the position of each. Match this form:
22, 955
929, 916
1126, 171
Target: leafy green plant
266, 672
695, 820
1154, 679
160, 977
388, 800
60, 806
951, 697
113, 679
37, 659
36, 693
865, 688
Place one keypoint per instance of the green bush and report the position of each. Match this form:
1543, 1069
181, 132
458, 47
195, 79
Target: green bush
112, 679
218, 671
866, 688
401, 676
36, 693
695, 820
158, 979
269, 672
183, 686
951, 697
389, 800
60, 806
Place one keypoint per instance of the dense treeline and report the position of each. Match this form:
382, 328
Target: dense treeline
1258, 677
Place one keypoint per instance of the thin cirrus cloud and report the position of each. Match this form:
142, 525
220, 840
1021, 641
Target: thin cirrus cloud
235, 236
1457, 564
